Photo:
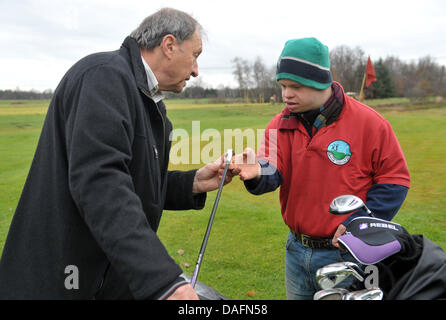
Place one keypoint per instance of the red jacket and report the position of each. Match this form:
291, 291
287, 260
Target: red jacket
348, 156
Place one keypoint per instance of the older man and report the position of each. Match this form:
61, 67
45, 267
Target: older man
85, 226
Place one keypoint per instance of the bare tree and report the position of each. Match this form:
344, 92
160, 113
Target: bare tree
347, 66
242, 73
256, 81
396, 67
261, 79
428, 74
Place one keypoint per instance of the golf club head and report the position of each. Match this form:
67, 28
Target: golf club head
331, 294
331, 275
203, 291
366, 294
345, 204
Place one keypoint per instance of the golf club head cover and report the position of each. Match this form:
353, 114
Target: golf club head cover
371, 240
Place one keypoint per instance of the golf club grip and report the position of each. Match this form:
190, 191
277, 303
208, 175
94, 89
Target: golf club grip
208, 230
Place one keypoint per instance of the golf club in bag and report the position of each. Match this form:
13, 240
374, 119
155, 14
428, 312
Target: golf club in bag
205, 292
410, 267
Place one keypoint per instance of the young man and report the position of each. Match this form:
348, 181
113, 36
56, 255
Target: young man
322, 145
85, 226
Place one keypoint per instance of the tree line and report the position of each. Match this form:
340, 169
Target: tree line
256, 80
395, 78
18, 94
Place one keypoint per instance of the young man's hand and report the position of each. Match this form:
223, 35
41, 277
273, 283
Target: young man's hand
246, 165
339, 232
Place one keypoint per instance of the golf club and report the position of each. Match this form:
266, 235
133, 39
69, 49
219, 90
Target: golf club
366, 294
331, 294
228, 159
329, 276
346, 204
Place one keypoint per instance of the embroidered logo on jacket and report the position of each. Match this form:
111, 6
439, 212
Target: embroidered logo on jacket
339, 152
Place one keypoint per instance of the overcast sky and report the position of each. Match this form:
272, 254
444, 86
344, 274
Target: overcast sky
41, 39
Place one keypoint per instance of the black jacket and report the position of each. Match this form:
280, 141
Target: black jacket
96, 189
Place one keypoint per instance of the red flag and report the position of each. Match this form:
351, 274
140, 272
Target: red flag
370, 73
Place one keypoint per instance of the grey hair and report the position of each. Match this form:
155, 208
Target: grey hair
166, 21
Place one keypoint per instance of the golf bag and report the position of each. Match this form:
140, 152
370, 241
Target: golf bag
411, 267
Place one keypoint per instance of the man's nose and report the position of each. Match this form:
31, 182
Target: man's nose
194, 72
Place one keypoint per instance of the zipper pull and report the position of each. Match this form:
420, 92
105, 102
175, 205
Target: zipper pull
155, 151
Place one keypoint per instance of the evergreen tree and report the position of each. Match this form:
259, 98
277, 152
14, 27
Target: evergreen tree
384, 87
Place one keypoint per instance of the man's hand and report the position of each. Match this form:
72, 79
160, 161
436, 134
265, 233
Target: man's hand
339, 232
185, 292
208, 177
246, 165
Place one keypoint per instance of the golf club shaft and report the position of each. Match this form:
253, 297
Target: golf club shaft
368, 211
208, 230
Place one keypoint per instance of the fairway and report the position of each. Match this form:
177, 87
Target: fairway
245, 255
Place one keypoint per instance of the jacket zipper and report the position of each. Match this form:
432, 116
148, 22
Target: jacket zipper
102, 281
162, 119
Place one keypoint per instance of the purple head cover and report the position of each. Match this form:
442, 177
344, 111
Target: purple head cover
369, 254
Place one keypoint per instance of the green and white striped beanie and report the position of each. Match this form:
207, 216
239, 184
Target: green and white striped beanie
305, 61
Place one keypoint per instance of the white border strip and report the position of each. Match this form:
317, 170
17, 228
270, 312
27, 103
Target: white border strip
306, 62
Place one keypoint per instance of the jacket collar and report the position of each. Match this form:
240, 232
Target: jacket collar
136, 63
152, 83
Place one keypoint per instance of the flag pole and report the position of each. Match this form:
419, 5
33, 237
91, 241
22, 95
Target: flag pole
361, 93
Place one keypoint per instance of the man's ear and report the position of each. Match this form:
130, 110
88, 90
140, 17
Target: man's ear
168, 45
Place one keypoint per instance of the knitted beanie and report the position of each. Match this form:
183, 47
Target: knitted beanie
305, 61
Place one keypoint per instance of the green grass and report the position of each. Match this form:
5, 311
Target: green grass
422, 137
245, 252
20, 126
